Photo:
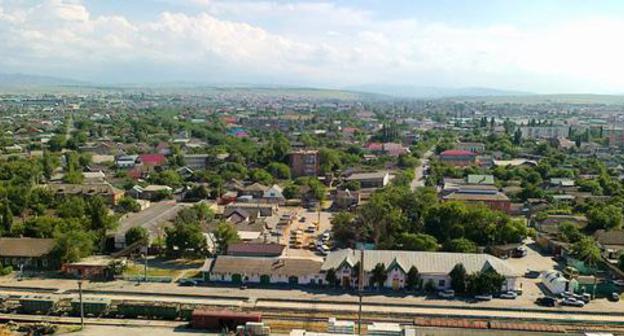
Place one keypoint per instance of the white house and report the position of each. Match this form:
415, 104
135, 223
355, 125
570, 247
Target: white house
126, 161
431, 266
556, 283
274, 193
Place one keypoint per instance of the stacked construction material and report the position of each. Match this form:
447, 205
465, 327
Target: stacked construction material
340, 327
253, 329
384, 329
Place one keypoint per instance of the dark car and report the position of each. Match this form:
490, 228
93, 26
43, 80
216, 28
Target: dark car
532, 274
546, 301
187, 282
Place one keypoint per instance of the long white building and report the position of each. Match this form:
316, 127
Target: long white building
432, 267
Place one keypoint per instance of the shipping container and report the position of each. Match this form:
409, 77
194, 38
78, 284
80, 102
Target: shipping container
33, 304
92, 306
165, 311
221, 319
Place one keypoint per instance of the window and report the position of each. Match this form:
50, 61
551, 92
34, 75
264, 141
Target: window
441, 283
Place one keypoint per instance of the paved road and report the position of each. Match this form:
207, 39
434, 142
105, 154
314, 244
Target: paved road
418, 180
152, 218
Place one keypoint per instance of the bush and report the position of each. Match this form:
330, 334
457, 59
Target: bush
6, 270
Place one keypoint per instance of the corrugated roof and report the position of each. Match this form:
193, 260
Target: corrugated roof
25, 247
268, 266
425, 262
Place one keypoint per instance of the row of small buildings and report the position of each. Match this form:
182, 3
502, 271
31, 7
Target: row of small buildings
433, 267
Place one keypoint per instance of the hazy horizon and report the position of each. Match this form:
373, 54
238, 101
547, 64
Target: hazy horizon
532, 46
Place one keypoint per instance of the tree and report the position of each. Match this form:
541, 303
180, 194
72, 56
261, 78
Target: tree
517, 137
570, 232
57, 142
407, 161
607, 217
459, 278
379, 275
621, 262
417, 242
261, 176
344, 228
100, 221
168, 177
291, 191
225, 234
7, 217
128, 204
73, 245
184, 239
460, 245
330, 277
412, 280
135, 234
71, 207
587, 251
351, 185
485, 282
279, 170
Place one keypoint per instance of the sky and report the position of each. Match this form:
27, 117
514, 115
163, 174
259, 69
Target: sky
542, 46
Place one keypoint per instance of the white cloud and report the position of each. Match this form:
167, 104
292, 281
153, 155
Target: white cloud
311, 43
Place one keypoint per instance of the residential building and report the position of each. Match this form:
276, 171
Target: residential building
109, 193
255, 250
475, 147
274, 194
196, 161
544, 132
29, 253
371, 180
305, 163
456, 157
126, 161
481, 194
611, 244
263, 270
260, 209
433, 267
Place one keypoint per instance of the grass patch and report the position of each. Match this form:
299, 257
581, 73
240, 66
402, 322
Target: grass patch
138, 269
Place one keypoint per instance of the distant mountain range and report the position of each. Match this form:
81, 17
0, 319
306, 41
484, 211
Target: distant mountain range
24, 83
22, 80
410, 91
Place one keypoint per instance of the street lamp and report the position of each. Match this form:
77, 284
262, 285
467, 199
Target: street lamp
81, 305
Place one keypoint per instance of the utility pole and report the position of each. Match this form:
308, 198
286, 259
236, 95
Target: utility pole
145, 268
360, 288
81, 305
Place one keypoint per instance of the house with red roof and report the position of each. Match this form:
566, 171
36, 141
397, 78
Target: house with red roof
458, 157
152, 159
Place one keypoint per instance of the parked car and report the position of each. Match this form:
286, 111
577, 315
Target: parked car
585, 297
619, 282
447, 294
532, 274
546, 301
614, 297
510, 295
519, 252
483, 297
573, 302
187, 282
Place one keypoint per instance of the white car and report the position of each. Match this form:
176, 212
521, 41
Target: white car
509, 295
447, 294
572, 302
